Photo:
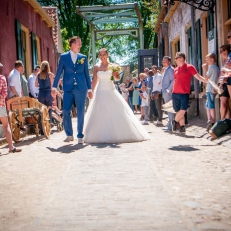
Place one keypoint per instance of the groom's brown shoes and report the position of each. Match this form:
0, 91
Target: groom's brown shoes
69, 138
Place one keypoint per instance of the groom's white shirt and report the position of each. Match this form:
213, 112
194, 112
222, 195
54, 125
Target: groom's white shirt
73, 56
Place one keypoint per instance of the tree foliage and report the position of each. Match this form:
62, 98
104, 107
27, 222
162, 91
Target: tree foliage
150, 14
121, 48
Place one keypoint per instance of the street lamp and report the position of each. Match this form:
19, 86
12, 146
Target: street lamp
204, 5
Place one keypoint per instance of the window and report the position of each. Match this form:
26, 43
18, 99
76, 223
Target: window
38, 50
23, 47
210, 21
229, 8
19, 41
148, 62
34, 50
190, 60
203, 33
198, 47
189, 33
175, 47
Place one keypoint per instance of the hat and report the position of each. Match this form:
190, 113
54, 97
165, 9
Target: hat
1, 65
127, 78
180, 55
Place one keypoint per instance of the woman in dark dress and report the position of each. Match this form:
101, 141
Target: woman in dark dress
44, 81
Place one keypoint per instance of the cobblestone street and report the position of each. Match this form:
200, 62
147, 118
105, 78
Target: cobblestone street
169, 183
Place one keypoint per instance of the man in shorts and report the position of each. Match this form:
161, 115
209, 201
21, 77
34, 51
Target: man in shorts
3, 114
181, 89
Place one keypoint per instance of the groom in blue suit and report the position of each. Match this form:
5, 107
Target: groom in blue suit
76, 86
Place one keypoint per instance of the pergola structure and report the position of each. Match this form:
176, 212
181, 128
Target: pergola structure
112, 14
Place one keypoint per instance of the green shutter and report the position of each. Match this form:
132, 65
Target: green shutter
198, 47
19, 41
34, 50
210, 21
189, 33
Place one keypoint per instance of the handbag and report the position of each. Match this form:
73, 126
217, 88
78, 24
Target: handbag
220, 128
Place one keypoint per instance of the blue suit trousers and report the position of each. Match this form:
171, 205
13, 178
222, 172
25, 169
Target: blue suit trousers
69, 97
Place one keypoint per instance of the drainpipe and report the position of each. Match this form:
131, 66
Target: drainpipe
194, 60
165, 39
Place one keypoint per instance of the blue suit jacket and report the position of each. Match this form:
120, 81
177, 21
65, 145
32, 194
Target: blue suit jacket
168, 79
73, 73
150, 84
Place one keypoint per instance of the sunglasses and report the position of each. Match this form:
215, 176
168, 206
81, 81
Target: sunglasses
229, 36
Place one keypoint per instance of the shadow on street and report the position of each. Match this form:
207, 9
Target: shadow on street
183, 148
68, 149
106, 145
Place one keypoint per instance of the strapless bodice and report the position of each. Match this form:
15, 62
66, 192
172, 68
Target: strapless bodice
104, 78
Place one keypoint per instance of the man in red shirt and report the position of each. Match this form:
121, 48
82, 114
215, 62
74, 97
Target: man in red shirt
181, 89
3, 114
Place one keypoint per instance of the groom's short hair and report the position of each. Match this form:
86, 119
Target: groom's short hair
73, 39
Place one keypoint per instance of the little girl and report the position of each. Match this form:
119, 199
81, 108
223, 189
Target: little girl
124, 91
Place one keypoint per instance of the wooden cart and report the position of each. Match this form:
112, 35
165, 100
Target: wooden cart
27, 111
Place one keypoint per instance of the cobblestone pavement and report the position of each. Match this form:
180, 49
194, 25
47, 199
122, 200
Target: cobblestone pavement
169, 183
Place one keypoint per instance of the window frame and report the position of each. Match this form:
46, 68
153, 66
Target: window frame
27, 52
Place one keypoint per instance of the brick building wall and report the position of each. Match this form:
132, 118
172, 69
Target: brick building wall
12, 10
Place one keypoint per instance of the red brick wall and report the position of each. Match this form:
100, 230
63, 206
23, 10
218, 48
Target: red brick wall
25, 14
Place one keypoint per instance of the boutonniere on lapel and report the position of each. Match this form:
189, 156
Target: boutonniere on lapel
81, 61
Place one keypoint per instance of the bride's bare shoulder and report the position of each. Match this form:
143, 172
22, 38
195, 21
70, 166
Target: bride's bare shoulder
96, 67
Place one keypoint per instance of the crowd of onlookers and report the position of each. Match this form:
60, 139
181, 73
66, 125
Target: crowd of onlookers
37, 86
146, 92
149, 91
157, 86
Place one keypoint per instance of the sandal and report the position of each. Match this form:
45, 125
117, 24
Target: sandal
16, 150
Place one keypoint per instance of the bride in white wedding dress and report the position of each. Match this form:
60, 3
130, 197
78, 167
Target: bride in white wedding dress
109, 119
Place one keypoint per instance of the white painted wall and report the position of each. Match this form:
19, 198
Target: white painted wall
179, 23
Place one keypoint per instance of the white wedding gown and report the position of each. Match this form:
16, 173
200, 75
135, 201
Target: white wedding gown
109, 118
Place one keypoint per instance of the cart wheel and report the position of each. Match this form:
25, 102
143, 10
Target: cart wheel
15, 126
45, 121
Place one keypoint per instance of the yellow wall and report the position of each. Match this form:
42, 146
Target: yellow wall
28, 51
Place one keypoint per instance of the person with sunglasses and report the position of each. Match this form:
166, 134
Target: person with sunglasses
181, 89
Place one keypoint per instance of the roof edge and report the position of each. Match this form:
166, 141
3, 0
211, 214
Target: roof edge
159, 19
171, 12
38, 8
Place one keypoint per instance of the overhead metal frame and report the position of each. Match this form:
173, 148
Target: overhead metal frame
113, 14
203, 5
133, 32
